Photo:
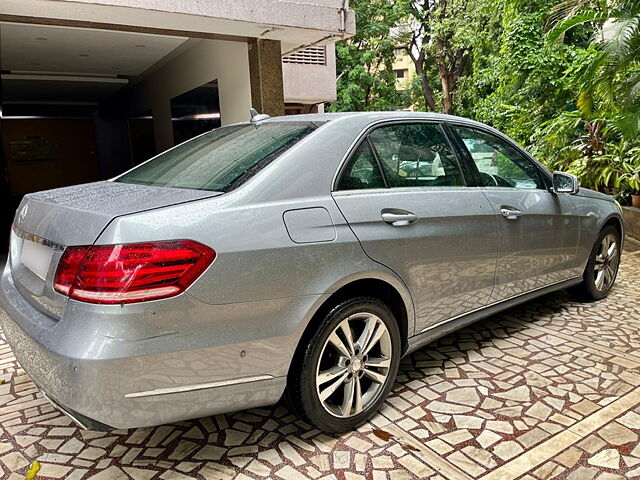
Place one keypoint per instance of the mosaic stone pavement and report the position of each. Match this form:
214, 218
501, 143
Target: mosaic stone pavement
550, 389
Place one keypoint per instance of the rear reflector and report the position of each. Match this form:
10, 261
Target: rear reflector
129, 273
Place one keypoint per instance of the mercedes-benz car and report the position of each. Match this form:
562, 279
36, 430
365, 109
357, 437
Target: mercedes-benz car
291, 257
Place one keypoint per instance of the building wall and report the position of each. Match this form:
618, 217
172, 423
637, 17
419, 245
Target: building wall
205, 61
402, 62
311, 83
48, 153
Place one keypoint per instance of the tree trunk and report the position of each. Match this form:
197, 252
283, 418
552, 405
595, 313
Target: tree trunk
418, 62
448, 87
429, 101
445, 69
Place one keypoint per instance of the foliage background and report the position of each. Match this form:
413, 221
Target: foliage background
560, 77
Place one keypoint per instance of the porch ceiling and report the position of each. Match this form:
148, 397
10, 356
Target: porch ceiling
295, 23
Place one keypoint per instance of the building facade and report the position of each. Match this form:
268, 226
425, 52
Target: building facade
92, 87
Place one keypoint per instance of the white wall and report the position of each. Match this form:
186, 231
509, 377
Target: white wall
310, 84
207, 60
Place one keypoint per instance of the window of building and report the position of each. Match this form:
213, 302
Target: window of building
401, 72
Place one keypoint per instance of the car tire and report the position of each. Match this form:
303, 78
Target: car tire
602, 268
360, 372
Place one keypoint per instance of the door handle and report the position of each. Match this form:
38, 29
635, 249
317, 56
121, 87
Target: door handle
398, 218
510, 213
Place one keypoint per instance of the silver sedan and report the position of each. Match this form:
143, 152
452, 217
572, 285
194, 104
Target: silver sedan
300, 256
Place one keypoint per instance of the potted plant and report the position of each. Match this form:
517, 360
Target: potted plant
619, 169
631, 180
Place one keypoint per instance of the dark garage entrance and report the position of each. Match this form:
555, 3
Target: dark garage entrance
67, 116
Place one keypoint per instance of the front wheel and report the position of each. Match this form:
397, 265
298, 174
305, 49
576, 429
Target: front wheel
602, 267
348, 366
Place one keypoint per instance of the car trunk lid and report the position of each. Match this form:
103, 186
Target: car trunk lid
47, 222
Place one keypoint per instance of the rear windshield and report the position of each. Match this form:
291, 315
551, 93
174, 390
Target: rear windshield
219, 160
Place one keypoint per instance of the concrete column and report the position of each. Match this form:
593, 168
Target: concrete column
265, 69
234, 88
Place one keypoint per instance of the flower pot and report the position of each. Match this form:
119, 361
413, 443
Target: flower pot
635, 200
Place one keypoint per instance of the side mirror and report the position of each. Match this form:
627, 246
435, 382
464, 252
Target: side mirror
565, 183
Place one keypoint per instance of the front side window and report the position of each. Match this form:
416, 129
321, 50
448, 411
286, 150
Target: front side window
499, 164
219, 160
416, 154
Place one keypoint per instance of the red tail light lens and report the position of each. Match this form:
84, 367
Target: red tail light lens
129, 273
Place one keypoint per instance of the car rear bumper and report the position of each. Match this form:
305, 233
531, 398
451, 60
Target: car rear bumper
106, 382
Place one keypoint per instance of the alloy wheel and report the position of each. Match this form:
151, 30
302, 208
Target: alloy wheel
606, 264
354, 365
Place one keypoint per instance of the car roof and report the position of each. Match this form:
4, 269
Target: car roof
367, 116
363, 118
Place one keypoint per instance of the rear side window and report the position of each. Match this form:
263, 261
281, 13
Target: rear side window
416, 154
362, 171
219, 160
409, 154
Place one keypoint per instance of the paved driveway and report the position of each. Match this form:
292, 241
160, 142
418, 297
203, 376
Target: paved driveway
550, 389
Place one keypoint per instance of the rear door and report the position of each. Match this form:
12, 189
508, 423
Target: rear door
404, 195
538, 231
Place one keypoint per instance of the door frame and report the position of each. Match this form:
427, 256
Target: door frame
468, 186
545, 176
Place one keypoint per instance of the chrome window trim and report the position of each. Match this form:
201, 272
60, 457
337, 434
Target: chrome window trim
399, 190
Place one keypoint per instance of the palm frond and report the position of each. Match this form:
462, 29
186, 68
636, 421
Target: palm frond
632, 86
566, 9
585, 102
618, 36
627, 122
564, 26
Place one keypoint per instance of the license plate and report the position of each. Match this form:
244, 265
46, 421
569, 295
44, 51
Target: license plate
36, 257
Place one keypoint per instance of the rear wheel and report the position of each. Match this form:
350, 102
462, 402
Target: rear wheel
348, 366
602, 267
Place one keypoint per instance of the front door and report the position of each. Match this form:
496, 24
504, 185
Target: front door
538, 230
404, 196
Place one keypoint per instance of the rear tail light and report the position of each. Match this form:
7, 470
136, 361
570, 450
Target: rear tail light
129, 273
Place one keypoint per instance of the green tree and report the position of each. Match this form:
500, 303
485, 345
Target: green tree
610, 84
562, 77
366, 80
517, 82
439, 37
